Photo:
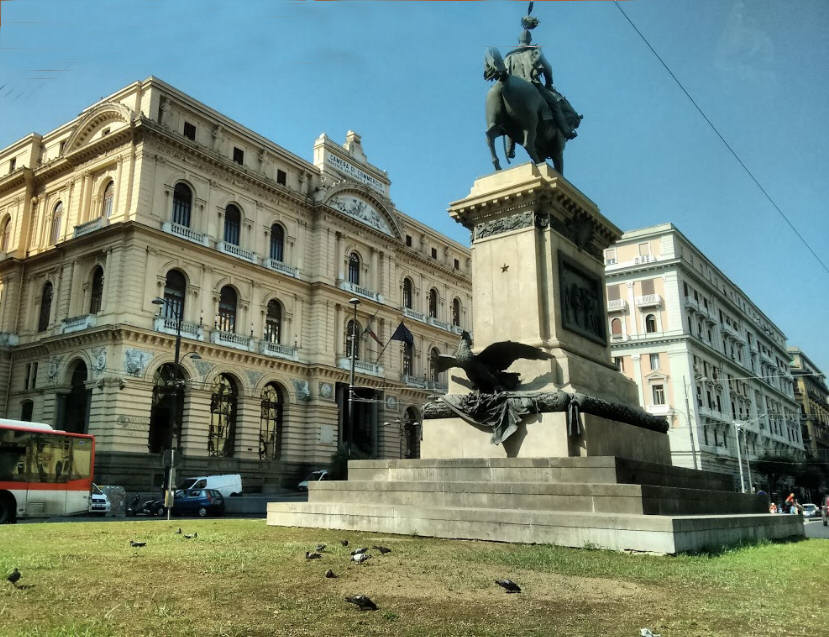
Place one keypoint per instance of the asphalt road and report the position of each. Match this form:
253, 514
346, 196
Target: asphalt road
815, 528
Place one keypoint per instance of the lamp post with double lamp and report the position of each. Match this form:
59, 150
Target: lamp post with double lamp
350, 429
177, 358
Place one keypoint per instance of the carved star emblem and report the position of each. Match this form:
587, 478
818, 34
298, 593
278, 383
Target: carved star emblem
504, 268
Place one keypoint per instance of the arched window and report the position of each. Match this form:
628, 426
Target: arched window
650, 323
277, 242
433, 303
175, 286
408, 293
74, 413
233, 225
352, 334
456, 312
616, 328
4, 234
97, 292
270, 422
182, 204
408, 359
167, 408
434, 355
222, 430
227, 309
57, 218
273, 322
354, 268
45, 307
106, 203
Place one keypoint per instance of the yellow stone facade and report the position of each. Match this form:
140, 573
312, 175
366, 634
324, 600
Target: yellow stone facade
266, 250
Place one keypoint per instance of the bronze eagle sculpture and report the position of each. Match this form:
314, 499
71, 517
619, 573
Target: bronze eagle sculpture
486, 370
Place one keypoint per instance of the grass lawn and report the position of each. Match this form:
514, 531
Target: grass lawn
241, 577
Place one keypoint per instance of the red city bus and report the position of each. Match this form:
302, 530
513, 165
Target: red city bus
43, 472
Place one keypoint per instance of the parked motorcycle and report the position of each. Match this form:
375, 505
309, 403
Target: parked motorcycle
137, 506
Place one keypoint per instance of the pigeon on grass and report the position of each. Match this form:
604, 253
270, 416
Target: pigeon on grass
344, 542
320, 548
312, 556
358, 551
330, 574
137, 545
15, 575
383, 549
190, 537
508, 585
362, 602
360, 558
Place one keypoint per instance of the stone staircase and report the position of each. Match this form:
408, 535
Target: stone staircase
598, 501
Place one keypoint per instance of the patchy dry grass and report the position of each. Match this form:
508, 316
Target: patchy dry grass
240, 577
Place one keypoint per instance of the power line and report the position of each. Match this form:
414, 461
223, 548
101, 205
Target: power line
722, 139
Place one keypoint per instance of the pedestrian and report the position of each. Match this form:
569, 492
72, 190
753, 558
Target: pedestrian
772, 508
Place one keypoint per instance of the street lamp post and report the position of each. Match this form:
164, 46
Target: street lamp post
350, 430
737, 428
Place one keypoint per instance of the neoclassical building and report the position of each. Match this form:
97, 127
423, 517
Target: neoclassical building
701, 353
151, 221
812, 395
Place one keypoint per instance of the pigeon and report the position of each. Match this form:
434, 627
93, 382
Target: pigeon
358, 551
15, 575
320, 548
179, 531
136, 545
312, 556
344, 542
486, 370
360, 557
330, 574
508, 585
362, 602
383, 549
190, 537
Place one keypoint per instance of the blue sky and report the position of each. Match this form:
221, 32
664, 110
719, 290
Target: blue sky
408, 77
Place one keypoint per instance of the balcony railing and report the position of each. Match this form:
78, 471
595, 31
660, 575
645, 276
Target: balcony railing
282, 267
659, 410
78, 323
616, 305
414, 314
437, 385
236, 251
169, 326
692, 303
91, 226
438, 323
455, 329
648, 300
8, 339
414, 381
231, 339
361, 291
185, 233
361, 366
278, 350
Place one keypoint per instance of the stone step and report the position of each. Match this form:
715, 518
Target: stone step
617, 531
587, 469
540, 496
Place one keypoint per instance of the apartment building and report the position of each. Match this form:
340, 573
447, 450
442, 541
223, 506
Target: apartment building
812, 396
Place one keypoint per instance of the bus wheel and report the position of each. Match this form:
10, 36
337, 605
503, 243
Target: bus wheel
6, 508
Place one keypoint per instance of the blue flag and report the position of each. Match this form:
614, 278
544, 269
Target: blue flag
402, 333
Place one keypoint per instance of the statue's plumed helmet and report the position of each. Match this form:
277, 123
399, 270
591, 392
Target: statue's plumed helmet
525, 37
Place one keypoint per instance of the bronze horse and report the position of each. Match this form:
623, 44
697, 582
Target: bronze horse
516, 109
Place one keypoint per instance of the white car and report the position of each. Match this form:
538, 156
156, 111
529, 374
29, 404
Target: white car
314, 476
98, 501
811, 511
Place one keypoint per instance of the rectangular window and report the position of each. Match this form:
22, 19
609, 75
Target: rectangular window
26, 379
408, 240
647, 287
619, 362
434, 253
62, 146
238, 155
12, 163
34, 375
658, 395
699, 396
654, 361
613, 293
685, 288
457, 264
281, 177
189, 131
610, 256
644, 249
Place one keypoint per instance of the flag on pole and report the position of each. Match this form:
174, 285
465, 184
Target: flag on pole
402, 333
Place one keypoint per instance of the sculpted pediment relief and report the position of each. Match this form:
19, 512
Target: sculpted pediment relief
362, 210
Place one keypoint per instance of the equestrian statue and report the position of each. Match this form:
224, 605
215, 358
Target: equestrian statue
523, 105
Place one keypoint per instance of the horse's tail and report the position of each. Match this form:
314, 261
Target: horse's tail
494, 68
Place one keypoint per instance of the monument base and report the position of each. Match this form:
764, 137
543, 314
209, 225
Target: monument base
544, 435
596, 501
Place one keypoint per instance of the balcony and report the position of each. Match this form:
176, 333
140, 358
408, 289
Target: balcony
361, 367
649, 300
278, 350
438, 323
348, 286
413, 314
692, 303
660, 410
91, 226
616, 305
8, 339
456, 329
414, 381
78, 323
279, 266
185, 233
236, 251
169, 326
231, 339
